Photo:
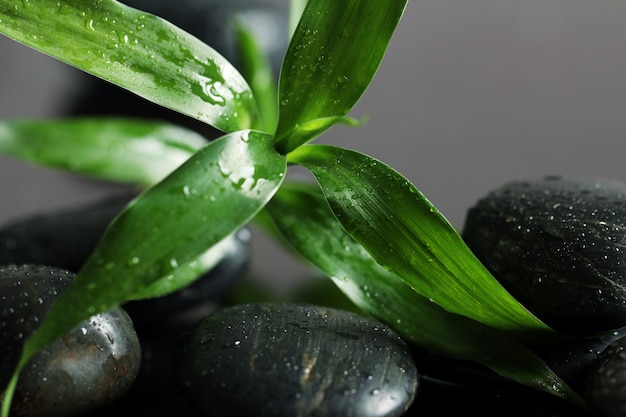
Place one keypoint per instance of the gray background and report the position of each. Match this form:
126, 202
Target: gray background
471, 94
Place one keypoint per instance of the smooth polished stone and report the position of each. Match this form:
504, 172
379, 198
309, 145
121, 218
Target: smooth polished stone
558, 245
279, 360
93, 364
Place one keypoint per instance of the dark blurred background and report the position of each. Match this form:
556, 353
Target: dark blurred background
471, 94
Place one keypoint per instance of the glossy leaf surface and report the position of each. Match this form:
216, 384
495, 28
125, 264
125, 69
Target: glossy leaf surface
137, 51
124, 150
305, 220
185, 274
333, 55
208, 198
407, 235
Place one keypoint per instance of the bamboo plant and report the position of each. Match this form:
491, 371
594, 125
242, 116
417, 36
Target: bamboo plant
362, 223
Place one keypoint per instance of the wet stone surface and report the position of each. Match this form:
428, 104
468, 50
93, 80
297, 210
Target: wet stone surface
558, 245
92, 365
575, 361
606, 387
294, 359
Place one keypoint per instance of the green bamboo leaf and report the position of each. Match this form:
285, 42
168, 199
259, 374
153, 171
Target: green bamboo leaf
185, 274
305, 220
333, 55
137, 51
406, 234
324, 123
132, 151
257, 70
213, 194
